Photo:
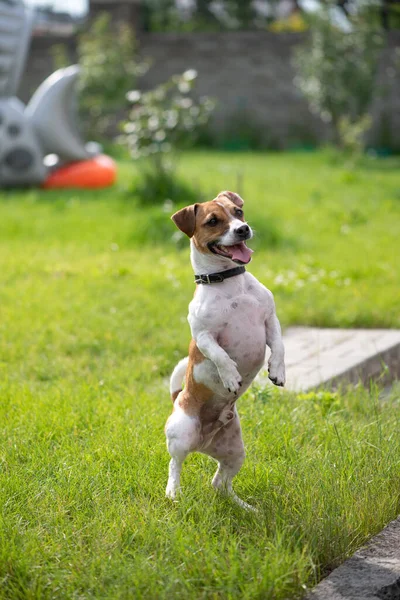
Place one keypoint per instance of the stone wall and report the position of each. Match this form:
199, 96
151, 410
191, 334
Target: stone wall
40, 62
251, 76
126, 12
249, 73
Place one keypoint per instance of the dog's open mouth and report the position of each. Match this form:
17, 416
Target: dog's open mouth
239, 253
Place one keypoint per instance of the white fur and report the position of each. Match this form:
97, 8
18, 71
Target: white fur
178, 375
183, 436
232, 323
230, 238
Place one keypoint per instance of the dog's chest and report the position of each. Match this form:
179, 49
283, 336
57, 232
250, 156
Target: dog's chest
218, 310
237, 320
237, 317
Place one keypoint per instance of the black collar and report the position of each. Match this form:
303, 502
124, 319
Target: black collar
218, 277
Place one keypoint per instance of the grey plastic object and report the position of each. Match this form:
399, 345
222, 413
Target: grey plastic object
48, 125
21, 157
51, 111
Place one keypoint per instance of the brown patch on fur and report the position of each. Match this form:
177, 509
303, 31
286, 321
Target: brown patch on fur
174, 395
195, 394
185, 219
204, 234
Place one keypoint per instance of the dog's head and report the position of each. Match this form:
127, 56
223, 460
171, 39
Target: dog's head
217, 227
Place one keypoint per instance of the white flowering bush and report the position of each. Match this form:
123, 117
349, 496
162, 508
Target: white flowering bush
165, 119
161, 123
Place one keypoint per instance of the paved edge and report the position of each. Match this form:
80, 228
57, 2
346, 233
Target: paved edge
362, 577
346, 356
384, 366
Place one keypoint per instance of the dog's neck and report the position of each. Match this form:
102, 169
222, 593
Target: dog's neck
205, 264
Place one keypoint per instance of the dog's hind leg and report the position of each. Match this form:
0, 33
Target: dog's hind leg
177, 377
183, 435
228, 449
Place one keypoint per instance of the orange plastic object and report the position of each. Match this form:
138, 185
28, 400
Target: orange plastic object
97, 172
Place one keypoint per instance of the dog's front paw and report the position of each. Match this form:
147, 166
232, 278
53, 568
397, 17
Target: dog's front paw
277, 373
230, 377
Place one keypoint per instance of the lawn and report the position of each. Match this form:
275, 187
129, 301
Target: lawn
93, 299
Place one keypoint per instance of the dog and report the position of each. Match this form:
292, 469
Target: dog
232, 319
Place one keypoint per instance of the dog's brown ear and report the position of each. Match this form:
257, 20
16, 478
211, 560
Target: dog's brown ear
235, 198
185, 219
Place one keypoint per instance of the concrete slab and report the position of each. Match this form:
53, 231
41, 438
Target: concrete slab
331, 356
371, 573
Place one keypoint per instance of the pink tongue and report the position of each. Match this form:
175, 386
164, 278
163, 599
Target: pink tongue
241, 252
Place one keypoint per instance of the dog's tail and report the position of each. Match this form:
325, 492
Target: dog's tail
178, 374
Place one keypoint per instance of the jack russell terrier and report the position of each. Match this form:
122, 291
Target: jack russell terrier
232, 319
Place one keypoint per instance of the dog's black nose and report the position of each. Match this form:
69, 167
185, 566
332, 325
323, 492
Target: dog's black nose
243, 231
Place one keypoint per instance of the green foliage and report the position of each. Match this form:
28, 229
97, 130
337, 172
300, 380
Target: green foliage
160, 15
157, 186
203, 16
165, 119
163, 15
242, 12
162, 123
324, 401
106, 54
382, 14
352, 134
336, 72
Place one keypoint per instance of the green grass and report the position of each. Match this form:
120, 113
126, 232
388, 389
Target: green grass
93, 301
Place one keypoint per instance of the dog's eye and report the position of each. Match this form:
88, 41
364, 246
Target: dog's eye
212, 222
238, 212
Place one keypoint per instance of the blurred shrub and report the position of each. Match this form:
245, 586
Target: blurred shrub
163, 122
200, 15
293, 23
336, 72
106, 55
352, 134
156, 186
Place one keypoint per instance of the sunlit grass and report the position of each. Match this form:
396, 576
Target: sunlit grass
93, 300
